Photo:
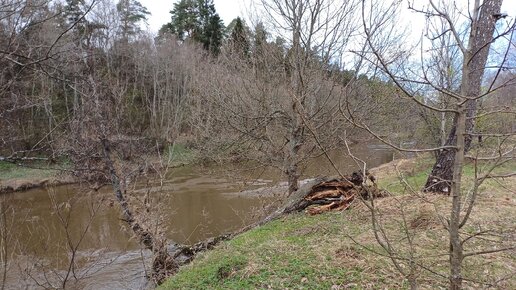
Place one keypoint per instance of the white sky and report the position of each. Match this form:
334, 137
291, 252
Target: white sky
230, 9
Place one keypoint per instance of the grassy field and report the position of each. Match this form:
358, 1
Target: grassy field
338, 250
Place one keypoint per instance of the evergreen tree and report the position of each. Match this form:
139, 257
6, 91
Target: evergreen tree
196, 20
131, 13
260, 40
239, 40
74, 11
259, 49
260, 37
84, 30
214, 35
184, 20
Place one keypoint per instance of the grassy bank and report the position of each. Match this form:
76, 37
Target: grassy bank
15, 177
339, 251
178, 154
12, 171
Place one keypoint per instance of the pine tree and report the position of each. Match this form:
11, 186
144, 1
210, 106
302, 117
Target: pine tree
184, 20
260, 37
74, 11
259, 46
74, 14
239, 40
214, 35
196, 20
131, 13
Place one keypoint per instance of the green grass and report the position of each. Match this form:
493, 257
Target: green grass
417, 174
295, 252
180, 154
13, 171
282, 254
335, 250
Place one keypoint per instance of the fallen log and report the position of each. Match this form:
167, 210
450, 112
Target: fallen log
185, 254
324, 194
333, 193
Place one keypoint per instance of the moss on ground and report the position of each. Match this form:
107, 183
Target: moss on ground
339, 251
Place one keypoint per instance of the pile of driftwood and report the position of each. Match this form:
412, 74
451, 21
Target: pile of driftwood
337, 194
325, 194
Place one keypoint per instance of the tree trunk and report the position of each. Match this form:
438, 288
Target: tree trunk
442, 172
163, 264
297, 103
144, 237
293, 179
475, 59
456, 255
292, 166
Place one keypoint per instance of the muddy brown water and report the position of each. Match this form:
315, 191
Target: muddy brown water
39, 227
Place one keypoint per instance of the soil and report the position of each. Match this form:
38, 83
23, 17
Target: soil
21, 184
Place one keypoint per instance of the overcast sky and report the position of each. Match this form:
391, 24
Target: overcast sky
230, 9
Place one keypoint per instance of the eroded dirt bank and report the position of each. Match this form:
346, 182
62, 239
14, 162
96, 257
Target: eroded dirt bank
21, 184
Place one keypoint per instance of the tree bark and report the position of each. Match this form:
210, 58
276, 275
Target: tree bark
292, 166
456, 255
297, 102
475, 59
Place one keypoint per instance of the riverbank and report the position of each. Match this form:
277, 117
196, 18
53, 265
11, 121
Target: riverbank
21, 184
14, 177
338, 250
18, 178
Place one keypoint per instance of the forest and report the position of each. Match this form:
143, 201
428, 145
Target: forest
93, 101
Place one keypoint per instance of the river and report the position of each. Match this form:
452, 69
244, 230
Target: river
39, 227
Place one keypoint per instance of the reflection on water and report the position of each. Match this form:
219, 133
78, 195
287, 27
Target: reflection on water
196, 203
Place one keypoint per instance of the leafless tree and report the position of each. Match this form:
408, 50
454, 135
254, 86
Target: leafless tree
7, 241
412, 83
97, 122
475, 51
267, 99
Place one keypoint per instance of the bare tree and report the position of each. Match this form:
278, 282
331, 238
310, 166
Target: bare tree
7, 241
269, 96
94, 123
475, 52
413, 83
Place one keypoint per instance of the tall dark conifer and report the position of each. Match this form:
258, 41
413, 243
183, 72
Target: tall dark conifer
131, 14
238, 39
74, 11
196, 20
